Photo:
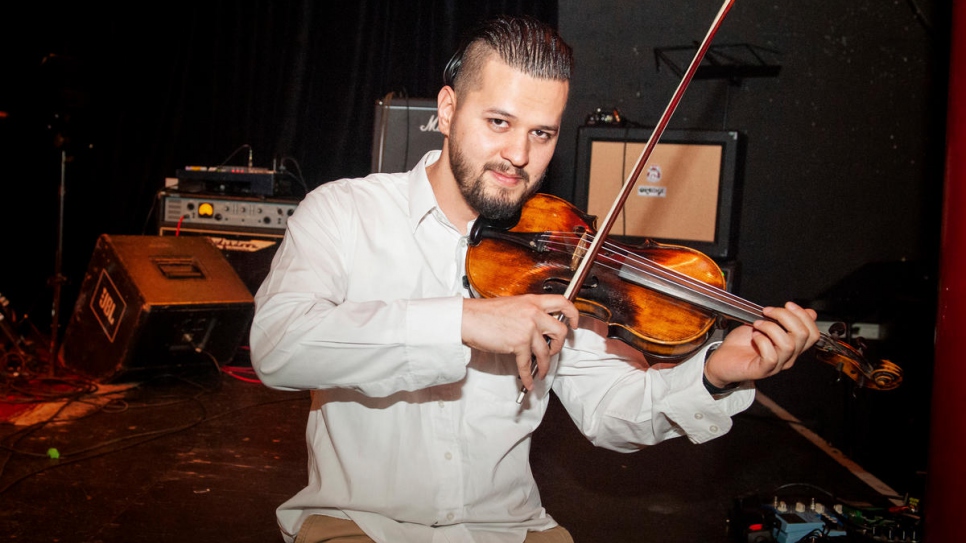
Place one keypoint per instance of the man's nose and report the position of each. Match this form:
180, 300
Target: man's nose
517, 149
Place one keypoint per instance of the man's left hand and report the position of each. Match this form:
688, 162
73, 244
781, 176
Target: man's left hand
763, 348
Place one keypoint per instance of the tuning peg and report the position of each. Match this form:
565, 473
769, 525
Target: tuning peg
838, 330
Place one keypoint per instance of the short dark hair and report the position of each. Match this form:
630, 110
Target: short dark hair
522, 42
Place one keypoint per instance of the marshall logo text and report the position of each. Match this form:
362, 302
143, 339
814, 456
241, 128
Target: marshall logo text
432, 125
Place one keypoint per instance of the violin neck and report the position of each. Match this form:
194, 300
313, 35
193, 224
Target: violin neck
697, 293
707, 297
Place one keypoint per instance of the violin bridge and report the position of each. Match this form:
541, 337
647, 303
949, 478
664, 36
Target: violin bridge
581, 249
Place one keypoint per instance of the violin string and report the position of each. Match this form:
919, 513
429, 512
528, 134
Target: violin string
704, 288
649, 267
567, 243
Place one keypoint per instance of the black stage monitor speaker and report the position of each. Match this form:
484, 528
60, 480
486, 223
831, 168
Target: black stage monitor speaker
404, 130
153, 302
249, 254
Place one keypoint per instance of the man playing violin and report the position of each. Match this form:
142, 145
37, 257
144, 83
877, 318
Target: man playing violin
415, 433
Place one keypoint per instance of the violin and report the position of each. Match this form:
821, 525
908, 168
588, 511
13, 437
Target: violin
664, 300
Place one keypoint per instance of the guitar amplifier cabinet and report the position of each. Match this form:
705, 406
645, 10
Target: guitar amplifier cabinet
153, 302
404, 130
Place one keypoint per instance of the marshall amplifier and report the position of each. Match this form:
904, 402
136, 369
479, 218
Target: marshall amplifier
151, 302
404, 130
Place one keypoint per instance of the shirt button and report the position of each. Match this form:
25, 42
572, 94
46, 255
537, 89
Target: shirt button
714, 429
450, 516
442, 404
448, 456
699, 416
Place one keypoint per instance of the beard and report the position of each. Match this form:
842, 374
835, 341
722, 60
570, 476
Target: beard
499, 206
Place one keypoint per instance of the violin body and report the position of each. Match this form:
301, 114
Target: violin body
539, 254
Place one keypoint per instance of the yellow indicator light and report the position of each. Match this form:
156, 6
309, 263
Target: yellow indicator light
206, 210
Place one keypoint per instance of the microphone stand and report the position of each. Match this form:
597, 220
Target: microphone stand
58, 279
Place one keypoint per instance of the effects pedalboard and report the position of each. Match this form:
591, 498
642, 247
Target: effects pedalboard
808, 520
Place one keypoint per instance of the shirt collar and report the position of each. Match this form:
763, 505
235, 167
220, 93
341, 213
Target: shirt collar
422, 201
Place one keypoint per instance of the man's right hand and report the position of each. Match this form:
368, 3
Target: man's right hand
525, 326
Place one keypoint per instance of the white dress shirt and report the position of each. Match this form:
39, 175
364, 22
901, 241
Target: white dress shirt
413, 435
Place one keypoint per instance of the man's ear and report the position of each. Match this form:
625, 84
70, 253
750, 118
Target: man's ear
445, 108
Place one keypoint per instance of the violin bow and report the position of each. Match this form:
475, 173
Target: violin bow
594, 248
590, 254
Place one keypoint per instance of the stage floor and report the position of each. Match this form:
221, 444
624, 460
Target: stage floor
208, 456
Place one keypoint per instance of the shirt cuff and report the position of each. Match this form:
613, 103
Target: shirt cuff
700, 415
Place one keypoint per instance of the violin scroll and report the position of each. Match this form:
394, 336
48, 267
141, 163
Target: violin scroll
851, 362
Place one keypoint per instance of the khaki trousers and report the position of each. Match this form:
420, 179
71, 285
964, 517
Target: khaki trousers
323, 529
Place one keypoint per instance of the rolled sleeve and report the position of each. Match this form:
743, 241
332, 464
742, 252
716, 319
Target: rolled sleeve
621, 403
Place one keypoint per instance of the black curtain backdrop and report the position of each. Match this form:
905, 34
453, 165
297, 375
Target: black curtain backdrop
128, 95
